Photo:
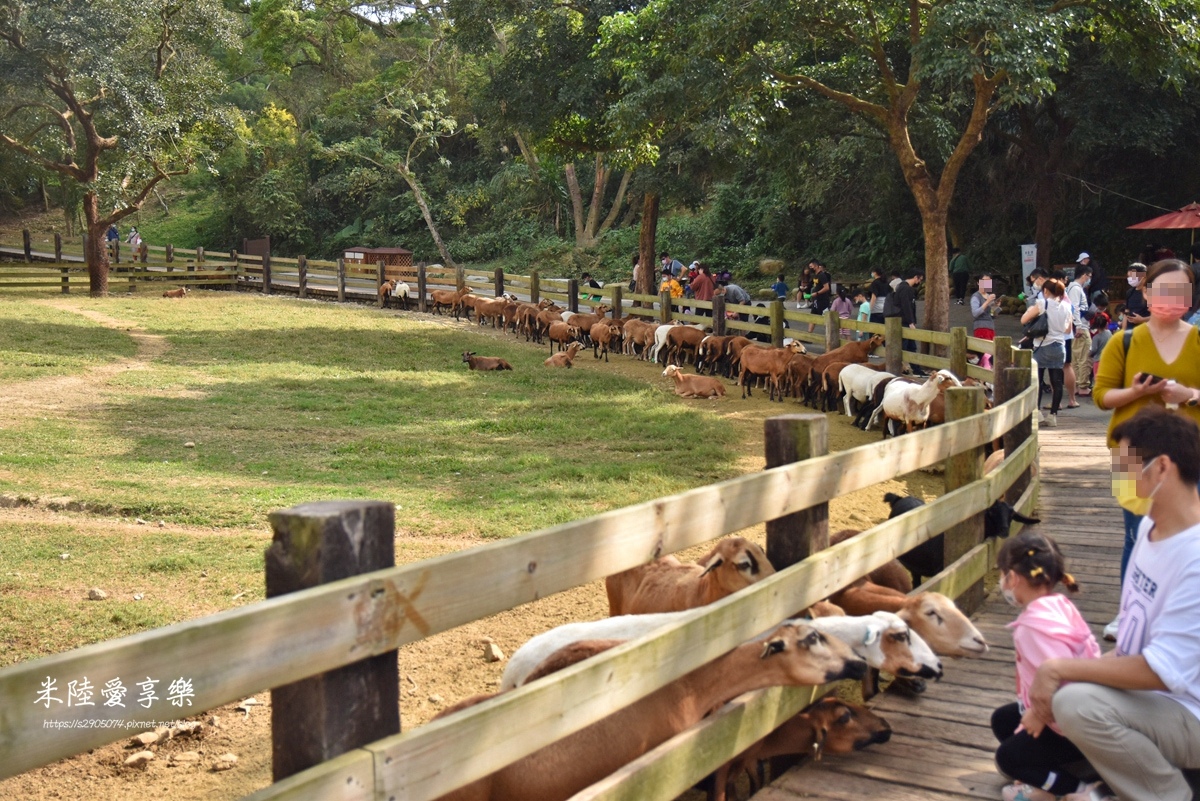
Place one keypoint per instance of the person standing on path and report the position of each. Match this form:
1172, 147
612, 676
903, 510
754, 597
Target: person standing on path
1135, 712
983, 309
1137, 311
1099, 278
822, 290
879, 291
703, 288
902, 303
1049, 351
960, 271
1153, 364
1081, 345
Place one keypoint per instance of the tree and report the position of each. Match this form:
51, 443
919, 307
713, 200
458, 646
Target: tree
927, 75
114, 96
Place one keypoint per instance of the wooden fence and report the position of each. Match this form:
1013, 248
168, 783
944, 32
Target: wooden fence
300, 643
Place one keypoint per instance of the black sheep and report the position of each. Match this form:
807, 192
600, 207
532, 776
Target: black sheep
926, 559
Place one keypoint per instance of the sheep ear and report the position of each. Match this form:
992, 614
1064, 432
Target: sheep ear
713, 565
773, 647
872, 636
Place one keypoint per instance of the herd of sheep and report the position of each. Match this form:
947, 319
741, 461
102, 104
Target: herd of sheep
870, 626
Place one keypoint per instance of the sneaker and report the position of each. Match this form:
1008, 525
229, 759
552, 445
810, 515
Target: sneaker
959, 302
1051, 421
1090, 793
1110, 631
1019, 791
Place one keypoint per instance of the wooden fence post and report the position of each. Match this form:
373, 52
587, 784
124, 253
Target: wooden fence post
379, 268
618, 300
27, 244
958, 351
422, 282
1016, 380
170, 253
316, 719
962, 469
573, 294
341, 280
66, 281
718, 302
664, 307
777, 323
199, 255
535, 286
460, 277
116, 249
57, 246
143, 252
266, 265
894, 344
1002, 359
833, 330
794, 438
302, 276
499, 281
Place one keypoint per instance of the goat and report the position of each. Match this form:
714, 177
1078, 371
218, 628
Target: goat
448, 298
684, 338
927, 558
930, 614
710, 351
484, 362
660, 340
857, 383
694, 386
542, 324
561, 334
634, 331
892, 574
565, 358
395, 288
909, 403
489, 309
831, 726
176, 293
584, 322
851, 352
604, 334
771, 362
937, 409
831, 384
668, 585
795, 654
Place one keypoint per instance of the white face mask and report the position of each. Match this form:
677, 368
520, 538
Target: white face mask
1133, 282
1157, 486
1009, 597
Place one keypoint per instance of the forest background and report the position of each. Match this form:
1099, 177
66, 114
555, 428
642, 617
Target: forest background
570, 135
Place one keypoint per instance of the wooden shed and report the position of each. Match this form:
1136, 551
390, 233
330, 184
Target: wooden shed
398, 262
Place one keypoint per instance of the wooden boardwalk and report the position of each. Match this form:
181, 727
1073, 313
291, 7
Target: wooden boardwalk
942, 745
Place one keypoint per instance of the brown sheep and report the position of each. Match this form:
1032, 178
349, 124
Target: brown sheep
484, 362
668, 585
542, 323
585, 321
930, 614
561, 334
604, 334
852, 352
710, 352
771, 362
447, 297
566, 358
489, 309
892, 575
798, 370
176, 293
683, 338
694, 386
733, 352
831, 388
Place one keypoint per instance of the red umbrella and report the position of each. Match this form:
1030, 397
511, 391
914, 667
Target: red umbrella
1187, 217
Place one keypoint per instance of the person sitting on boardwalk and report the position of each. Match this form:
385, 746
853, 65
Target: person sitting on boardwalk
1031, 565
1135, 714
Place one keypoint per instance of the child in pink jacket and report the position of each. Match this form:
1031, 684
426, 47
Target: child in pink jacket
1048, 626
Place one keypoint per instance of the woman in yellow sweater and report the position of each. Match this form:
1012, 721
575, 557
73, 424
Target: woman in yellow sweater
1158, 362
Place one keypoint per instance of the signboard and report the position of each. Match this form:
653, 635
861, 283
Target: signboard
1028, 260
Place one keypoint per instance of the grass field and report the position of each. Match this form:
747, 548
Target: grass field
286, 402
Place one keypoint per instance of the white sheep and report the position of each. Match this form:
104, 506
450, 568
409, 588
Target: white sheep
660, 339
909, 403
858, 384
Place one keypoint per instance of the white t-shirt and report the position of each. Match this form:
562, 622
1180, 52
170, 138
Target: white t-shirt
1058, 316
1160, 610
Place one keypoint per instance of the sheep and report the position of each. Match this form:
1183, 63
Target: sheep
668, 585
561, 334
526, 319
544, 318
932, 615
927, 558
771, 362
395, 288
831, 726
604, 334
647, 340
176, 293
831, 386
710, 352
633, 331
484, 362
733, 354
448, 298
798, 370
489, 309
857, 383
565, 358
585, 321
684, 338
937, 407
892, 574
694, 386
660, 339
908, 403
795, 654
852, 352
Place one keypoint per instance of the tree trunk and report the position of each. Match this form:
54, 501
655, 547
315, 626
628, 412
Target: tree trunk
96, 253
618, 201
1045, 203
415, 186
530, 157
598, 190
576, 204
937, 271
646, 240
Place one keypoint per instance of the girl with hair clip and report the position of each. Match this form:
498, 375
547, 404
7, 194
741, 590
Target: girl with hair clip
1049, 626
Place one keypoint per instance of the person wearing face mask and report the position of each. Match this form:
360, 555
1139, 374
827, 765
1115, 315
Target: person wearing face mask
1136, 309
1033, 751
1154, 364
1135, 714
982, 310
1081, 345
1049, 351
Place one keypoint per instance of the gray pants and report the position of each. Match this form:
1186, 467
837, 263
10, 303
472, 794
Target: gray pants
1137, 741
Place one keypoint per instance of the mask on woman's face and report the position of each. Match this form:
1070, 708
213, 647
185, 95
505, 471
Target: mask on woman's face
1168, 309
1009, 596
985, 286
1133, 281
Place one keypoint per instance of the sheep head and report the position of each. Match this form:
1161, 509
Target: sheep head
941, 624
841, 728
904, 652
807, 657
467, 354
672, 371
743, 563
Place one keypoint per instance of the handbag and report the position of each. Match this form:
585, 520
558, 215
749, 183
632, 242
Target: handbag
1037, 328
